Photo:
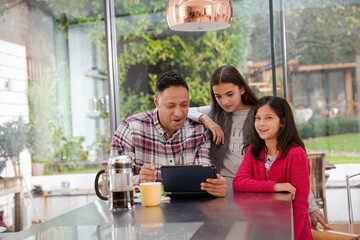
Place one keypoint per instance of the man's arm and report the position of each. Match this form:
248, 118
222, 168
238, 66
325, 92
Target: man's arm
202, 150
122, 140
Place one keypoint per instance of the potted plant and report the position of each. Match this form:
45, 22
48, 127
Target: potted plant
37, 160
70, 151
48, 144
41, 146
13, 140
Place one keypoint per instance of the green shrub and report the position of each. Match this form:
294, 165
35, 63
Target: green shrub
305, 130
320, 126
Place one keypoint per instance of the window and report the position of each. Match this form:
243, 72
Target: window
322, 57
53, 76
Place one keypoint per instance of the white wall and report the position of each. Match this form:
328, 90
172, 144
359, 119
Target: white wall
13, 82
13, 104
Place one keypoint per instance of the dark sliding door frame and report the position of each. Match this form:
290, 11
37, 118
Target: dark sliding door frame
112, 65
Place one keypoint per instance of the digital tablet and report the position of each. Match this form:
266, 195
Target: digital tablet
184, 180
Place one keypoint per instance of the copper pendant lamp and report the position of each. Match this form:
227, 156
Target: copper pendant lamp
199, 15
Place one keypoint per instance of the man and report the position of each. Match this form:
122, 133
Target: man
165, 136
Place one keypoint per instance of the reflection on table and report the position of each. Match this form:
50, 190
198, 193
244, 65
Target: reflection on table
237, 216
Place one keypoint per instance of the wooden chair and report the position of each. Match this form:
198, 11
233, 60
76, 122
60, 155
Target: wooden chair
348, 190
317, 180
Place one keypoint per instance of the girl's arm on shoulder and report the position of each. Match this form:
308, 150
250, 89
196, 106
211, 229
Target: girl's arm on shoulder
200, 114
299, 174
195, 112
246, 180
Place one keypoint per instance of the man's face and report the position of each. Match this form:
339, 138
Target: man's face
173, 107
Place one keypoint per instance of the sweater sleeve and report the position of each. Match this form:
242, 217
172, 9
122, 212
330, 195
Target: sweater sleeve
312, 203
246, 180
195, 112
300, 171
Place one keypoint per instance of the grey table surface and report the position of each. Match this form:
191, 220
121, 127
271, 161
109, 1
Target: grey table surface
237, 216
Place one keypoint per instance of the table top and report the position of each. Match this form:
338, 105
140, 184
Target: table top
237, 216
329, 165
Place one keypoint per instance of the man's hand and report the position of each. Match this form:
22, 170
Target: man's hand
147, 173
317, 217
280, 187
215, 186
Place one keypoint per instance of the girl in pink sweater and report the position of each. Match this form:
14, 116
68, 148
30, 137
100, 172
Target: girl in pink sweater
276, 160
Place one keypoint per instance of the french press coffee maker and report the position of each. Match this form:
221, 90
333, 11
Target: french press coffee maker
120, 183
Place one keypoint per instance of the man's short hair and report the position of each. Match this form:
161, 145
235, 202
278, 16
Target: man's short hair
170, 79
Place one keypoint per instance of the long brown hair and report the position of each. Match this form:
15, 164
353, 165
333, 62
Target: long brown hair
287, 136
229, 74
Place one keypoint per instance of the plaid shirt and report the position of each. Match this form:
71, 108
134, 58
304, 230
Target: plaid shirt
145, 141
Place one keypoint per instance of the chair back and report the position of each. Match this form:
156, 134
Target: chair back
317, 179
348, 189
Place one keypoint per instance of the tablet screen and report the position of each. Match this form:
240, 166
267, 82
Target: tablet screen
186, 178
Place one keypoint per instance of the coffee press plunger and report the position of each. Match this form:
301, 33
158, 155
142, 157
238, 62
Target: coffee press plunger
120, 185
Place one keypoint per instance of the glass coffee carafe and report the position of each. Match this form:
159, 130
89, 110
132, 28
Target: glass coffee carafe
120, 183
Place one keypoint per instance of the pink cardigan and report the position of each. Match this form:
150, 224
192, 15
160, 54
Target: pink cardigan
293, 169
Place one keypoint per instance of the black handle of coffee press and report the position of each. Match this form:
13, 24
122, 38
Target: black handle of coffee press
120, 151
97, 185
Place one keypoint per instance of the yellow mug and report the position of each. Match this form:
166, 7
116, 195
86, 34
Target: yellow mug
150, 193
